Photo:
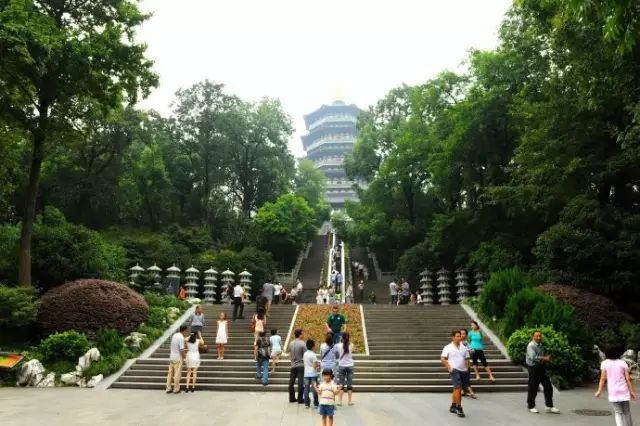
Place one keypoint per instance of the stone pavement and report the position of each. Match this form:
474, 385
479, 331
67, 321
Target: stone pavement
73, 406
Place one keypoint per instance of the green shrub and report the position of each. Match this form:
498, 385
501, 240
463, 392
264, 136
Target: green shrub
108, 341
552, 312
18, 307
66, 346
107, 365
499, 288
631, 335
157, 317
566, 359
164, 300
519, 308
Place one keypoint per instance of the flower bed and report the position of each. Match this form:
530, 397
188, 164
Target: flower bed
313, 319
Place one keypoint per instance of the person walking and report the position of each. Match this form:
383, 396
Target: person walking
361, 291
238, 302
339, 281
535, 361
476, 343
311, 365
467, 391
222, 334
182, 293
197, 321
393, 291
193, 360
335, 322
262, 355
299, 291
349, 294
277, 290
328, 357
327, 391
176, 356
456, 359
297, 348
268, 290
405, 292
361, 270
344, 351
258, 324
276, 348
365, 274
372, 298
319, 296
331, 295
615, 372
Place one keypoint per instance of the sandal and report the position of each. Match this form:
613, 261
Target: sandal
352, 403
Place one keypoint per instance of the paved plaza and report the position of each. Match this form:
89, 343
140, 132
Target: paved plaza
71, 406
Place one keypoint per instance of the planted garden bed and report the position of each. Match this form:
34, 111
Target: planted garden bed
313, 320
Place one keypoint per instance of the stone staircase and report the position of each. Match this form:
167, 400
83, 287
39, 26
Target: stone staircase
405, 343
312, 268
235, 372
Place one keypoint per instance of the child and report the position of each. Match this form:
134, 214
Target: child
372, 298
311, 364
221, 335
619, 386
262, 354
276, 348
327, 391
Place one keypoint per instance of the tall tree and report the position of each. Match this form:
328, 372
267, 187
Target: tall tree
60, 59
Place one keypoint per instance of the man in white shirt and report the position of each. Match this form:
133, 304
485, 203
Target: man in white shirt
455, 357
393, 290
299, 289
238, 304
177, 354
277, 290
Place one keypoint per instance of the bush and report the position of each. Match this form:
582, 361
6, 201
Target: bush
491, 257
631, 335
157, 317
63, 347
519, 308
549, 311
18, 307
164, 300
107, 365
108, 341
499, 288
593, 311
566, 359
91, 305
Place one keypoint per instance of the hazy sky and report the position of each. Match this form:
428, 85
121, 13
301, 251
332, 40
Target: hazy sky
306, 53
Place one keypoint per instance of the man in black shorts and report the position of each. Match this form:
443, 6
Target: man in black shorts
455, 357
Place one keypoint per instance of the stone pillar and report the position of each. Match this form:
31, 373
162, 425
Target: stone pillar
443, 287
462, 285
155, 271
174, 276
192, 282
133, 277
210, 278
427, 290
245, 281
227, 281
479, 282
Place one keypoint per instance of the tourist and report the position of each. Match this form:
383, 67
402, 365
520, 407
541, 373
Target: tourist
276, 348
615, 372
311, 365
535, 360
176, 356
297, 348
293, 295
344, 350
222, 334
267, 292
413, 299
182, 292
393, 291
197, 321
328, 355
467, 391
405, 292
455, 358
193, 360
277, 290
339, 281
361, 270
349, 294
238, 302
299, 291
262, 355
372, 298
319, 296
257, 323
335, 322
334, 282
361, 291
331, 295
325, 295
419, 299
327, 391
476, 343
365, 274
284, 296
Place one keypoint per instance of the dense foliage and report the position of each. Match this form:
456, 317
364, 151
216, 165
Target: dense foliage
67, 346
91, 305
500, 287
528, 158
18, 307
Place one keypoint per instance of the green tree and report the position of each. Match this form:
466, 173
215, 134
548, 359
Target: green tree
59, 60
310, 184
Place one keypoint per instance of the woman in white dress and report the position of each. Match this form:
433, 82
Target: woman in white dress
221, 335
193, 360
319, 296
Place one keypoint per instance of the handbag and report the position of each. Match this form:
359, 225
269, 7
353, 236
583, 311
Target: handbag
203, 348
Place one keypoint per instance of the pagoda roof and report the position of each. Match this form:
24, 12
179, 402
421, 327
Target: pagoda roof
326, 130
336, 107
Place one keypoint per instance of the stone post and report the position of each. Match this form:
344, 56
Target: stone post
210, 285
479, 282
443, 287
174, 275
135, 272
245, 281
462, 285
227, 281
427, 290
192, 282
155, 271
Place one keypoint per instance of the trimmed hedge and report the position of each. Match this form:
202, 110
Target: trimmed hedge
92, 305
499, 288
593, 311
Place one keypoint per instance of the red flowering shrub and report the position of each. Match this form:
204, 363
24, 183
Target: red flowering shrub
592, 310
90, 305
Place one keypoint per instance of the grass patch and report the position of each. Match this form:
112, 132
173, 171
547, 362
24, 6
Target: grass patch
313, 319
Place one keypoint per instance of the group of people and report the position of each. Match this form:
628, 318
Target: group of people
400, 291
360, 270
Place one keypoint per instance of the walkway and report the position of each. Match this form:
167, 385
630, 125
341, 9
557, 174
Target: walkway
73, 406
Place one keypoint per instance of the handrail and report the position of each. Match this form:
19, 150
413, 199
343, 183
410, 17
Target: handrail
376, 265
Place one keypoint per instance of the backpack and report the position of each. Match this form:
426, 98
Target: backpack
264, 348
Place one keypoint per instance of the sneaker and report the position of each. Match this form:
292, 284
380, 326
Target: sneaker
552, 410
534, 410
453, 409
460, 412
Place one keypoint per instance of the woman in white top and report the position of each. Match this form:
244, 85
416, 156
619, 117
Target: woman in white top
319, 296
344, 351
222, 334
349, 294
259, 321
193, 359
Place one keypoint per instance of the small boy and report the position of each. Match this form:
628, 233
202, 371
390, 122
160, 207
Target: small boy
327, 391
372, 298
311, 365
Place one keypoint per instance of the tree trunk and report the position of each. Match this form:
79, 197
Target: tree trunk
24, 255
